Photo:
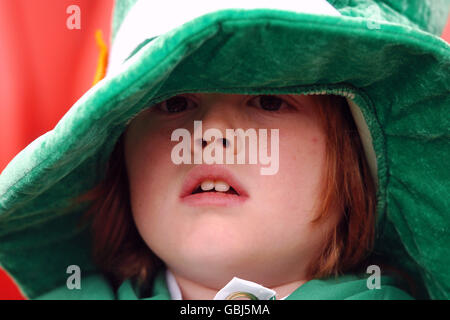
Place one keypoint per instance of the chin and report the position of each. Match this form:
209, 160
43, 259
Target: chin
217, 257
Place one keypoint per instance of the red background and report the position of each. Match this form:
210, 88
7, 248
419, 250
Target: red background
45, 68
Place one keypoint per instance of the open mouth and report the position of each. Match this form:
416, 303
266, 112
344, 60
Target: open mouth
200, 190
214, 193
212, 185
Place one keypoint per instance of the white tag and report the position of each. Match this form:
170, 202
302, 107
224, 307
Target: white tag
238, 285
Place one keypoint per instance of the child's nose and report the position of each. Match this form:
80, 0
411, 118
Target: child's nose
217, 117
226, 143
219, 113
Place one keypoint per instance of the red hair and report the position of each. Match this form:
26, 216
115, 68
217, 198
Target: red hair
120, 252
347, 187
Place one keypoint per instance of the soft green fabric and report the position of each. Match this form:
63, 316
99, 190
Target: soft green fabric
349, 287
428, 15
398, 75
93, 287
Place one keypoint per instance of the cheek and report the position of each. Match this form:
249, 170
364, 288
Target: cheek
295, 188
147, 157
147, 148
304, 144
302, 157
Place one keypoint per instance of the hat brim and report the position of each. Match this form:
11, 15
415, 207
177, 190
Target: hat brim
398, 76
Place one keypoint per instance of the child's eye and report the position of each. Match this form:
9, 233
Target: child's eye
269, 102
175, 104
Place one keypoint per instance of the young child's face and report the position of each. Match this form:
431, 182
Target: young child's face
268, 238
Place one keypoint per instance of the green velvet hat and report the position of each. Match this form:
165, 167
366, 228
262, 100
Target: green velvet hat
384, 56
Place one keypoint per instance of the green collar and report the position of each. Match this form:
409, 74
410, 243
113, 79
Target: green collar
127, 290
347, 287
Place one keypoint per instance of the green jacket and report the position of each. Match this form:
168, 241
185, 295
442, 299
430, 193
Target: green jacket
348, 287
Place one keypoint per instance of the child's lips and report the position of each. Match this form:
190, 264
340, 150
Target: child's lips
214, 199
200, 173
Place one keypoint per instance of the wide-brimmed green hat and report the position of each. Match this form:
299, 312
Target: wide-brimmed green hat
384, 56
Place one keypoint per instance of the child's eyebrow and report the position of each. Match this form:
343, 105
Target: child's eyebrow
296, 98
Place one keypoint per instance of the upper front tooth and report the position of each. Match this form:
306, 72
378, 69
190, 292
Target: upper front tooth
207, 185
221, 186
218, 185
